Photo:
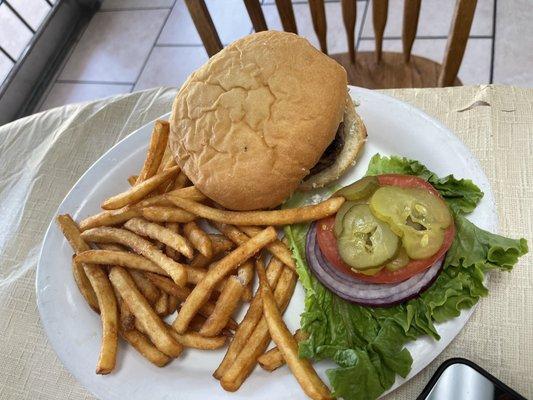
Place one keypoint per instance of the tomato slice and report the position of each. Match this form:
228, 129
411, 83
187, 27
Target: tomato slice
327, 242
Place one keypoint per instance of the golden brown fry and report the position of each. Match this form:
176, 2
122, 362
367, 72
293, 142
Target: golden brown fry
196, 341
72, 234
174, 227
274, 217
139, 191
246, 275
249, 322
122, 258
132, 179
203, 289
145, 286
173, 303
259, 339
156, 150
224, 307
182, 293
161, 305
273, 359
199, 239
301, 368
220, 244
139, 245
180, 181
161, 234
166, 214
145, 347
144, 314
109, 315
277, 247
126, 317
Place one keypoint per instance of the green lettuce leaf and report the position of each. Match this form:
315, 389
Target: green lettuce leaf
368, 343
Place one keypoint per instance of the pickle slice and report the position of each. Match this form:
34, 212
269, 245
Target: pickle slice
361, 189
340, 216
365, 241
399, 261
416, 215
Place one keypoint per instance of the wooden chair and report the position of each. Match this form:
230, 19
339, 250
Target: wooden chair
377, 69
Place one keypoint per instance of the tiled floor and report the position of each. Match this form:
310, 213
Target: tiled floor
139, 44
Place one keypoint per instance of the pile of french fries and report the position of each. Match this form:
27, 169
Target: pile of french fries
149, 258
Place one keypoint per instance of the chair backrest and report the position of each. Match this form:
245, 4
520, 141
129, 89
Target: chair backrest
455, 48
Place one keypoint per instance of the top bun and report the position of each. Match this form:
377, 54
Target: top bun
247, 126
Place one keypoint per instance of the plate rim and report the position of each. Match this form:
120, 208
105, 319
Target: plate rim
353, 91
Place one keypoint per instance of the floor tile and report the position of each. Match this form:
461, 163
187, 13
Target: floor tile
513, 55
14, 35
115, 46
68, 93
170, 66
5, 66
475, 68
33, 11
435, 18
129, 4
229, 16
336, 35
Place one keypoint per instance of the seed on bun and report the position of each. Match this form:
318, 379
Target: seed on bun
251, 123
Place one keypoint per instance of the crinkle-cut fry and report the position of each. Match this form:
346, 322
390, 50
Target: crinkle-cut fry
139, 191
259, 339
141, 343
250, 320
161, 234
301, 368
166, 214
145, 316
199, 239
226, 304
126, 317
145, 286
275, 217
273, 359
138, 245
196, 341
121, 258
109, 316
156, 150
161, 304
277, 247
224, 267
182, 293
72, 234
132, 179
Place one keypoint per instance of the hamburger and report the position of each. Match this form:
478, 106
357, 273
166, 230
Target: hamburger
267, 115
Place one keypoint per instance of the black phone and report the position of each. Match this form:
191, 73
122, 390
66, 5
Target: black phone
461, 379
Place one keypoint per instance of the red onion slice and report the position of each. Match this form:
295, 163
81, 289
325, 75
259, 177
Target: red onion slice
364, 293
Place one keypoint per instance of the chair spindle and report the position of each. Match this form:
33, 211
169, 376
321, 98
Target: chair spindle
286, 14
204, 25
318, 15
411, 12
256, 15
349, 15
379, 18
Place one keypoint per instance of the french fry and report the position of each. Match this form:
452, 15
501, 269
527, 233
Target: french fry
180, 181
72, 234
126, 317
161, 234
132, 179
174, 227
189, 192
109, 316
246, 275
166, 214
224, 307
274, 217
141, 343
144, 315
220, 244
199, 239
203, 289
139, 245
161, 305
182, 293
249, 322
145, 286
139, 191
173, 303
156, 150
301, 368
259, 339
277, 247
273, 359
196, 341
122, 258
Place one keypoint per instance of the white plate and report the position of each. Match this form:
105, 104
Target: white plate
74, 331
